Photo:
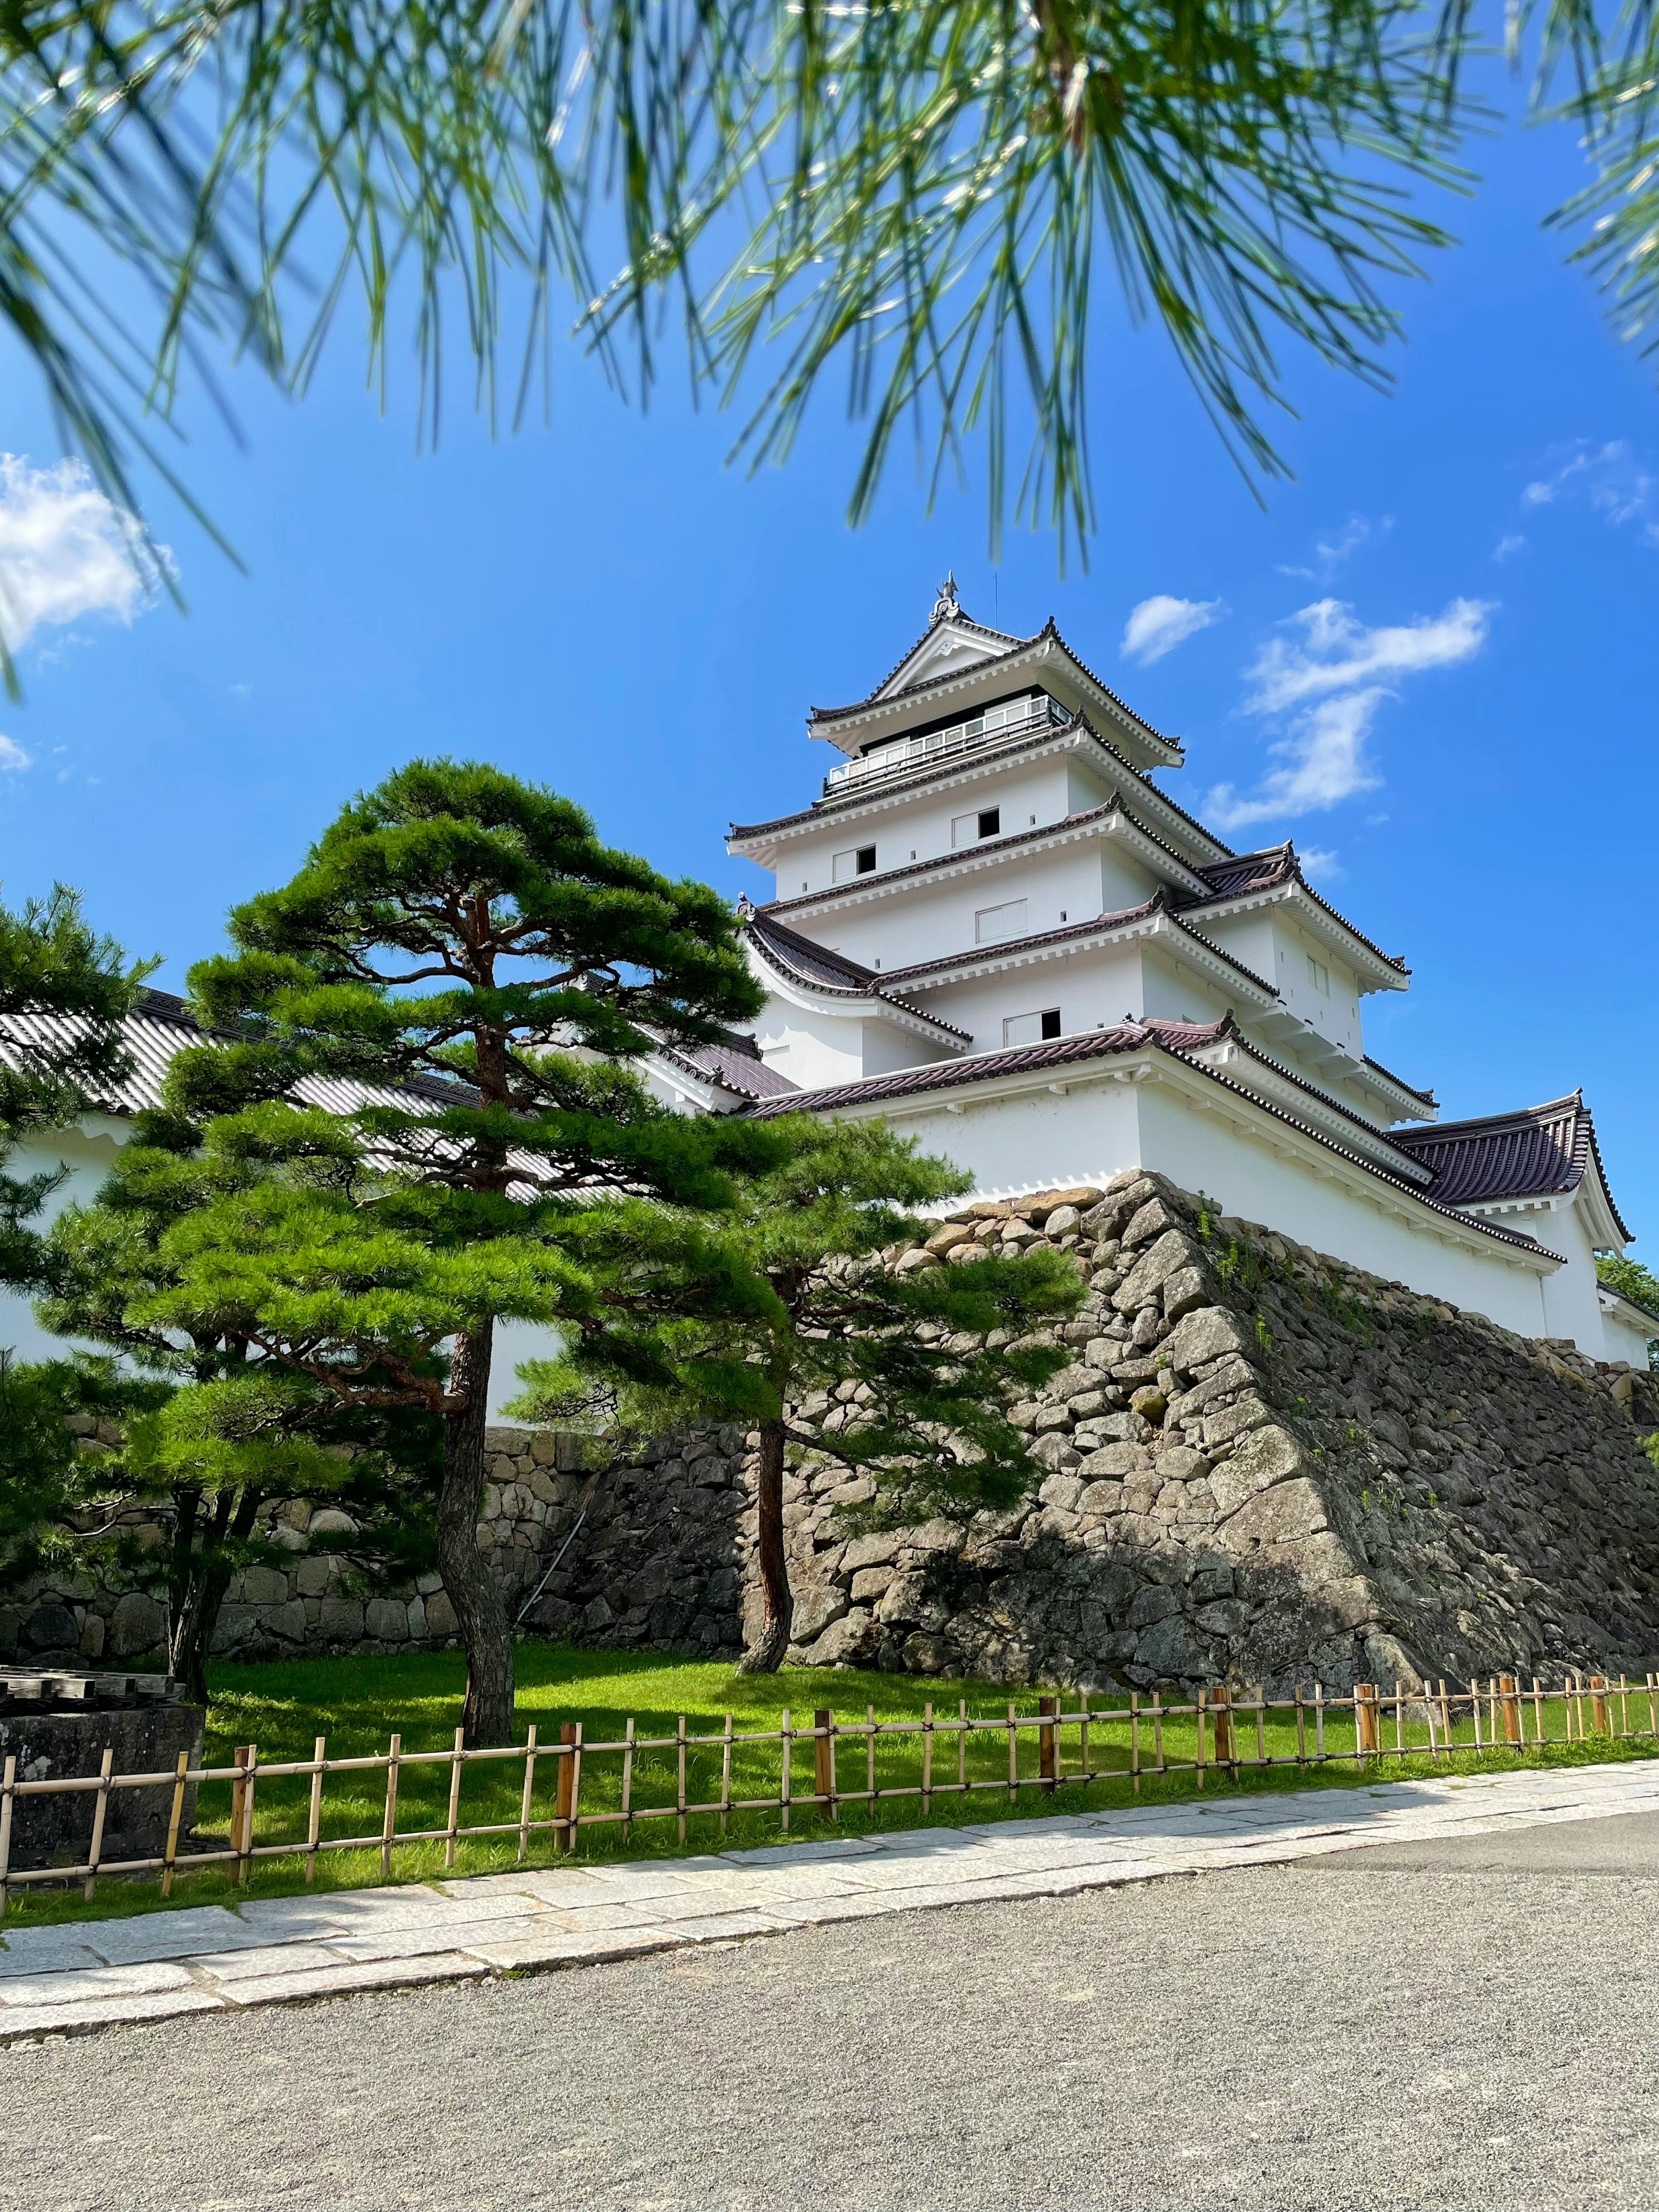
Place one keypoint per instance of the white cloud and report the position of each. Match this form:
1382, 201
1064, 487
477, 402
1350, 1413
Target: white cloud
1325, 757
65, 551
1336, 653
1615, 482
1316, 860
1158, 625
1331, 680
1330, 553
1511, 542
12, 757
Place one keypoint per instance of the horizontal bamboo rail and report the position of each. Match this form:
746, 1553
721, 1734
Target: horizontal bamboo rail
1227, 1727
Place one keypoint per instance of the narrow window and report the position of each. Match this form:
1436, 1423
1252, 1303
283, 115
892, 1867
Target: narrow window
1320, 976
1031, 1029
992, 924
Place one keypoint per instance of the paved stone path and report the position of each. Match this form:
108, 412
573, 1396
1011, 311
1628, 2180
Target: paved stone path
94, 1974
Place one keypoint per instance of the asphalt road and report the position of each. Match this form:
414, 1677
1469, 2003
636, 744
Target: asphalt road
1468, 2024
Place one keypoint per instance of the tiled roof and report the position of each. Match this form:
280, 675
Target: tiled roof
1180, 1039
1400, 1082
956, 621
1534, 1153
1258, 872
736, 1066
952, 675
1019, 1060
1012, 843
789, 953
1070, 932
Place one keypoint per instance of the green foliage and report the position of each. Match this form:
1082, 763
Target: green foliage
930, 194
783, 1294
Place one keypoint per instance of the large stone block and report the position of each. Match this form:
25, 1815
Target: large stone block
440, 1614
138, 1624
1289, 1511
1173, 1251
1208, 1333
1260, 1459
342, 1619
387, 1620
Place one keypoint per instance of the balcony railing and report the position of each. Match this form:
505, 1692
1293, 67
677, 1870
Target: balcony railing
1035, 710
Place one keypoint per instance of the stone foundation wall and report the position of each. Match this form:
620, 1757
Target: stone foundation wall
1261, 1464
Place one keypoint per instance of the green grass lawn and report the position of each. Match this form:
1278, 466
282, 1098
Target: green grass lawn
357, 1704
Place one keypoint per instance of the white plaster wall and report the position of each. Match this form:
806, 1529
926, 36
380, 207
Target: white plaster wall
1572, 1305
918, 828
810, 1048
1041, 1140
1624, 1341
1090, 988
931, 919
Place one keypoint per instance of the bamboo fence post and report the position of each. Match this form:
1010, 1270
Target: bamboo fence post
1319, 1723
1261, 1724
1399, 1722
1300, 1733
7, 1795
1083, 1736
245, 1842
1134, 1741
1507, 1689
1048, 1750
1367, 1742
783, 1778
1624, 1706
679, 1776
628, 1786
1198, 1717
564, 1838
1598, 1704
1653, 1704
452, 1819
389, 1827
870, 1753
927, 1760
1221, 1722
526, 1796
239, 1760
1537, 1710
1492, 1710
726, 1774
962, 1746
314, 1818
823, 1761
1474, 1710
576, 1784
1013, 1753
100, 1811
175, 1816
1434, 1747
1157, 1730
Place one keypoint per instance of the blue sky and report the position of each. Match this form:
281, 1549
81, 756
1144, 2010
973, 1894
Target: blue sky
1466, 731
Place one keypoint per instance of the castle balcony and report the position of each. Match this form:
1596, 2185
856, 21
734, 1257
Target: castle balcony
1037, 710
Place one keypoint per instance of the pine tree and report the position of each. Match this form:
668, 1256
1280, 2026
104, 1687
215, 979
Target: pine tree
743, 1314
462, 943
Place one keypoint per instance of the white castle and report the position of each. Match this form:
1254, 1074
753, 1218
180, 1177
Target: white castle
992, 927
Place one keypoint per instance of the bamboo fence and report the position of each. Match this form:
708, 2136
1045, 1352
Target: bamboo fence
1085, 1743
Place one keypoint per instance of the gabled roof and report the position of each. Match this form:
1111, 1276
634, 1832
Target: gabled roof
822, 974
1280, 868
1538, 1152
949, 620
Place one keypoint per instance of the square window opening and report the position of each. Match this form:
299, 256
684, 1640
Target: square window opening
1031, 1029
990, 821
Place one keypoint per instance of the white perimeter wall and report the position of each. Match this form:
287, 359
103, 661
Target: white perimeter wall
1039, 1141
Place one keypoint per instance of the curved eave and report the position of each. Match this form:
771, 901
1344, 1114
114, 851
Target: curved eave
849, 728
1324, 921
846, 1003
987, 1076
1151, 923
763, 842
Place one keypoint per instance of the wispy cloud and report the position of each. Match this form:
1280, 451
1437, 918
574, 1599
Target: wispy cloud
1330, 553
1322, 864
1513, 542
1610, 476
1158, 625
12, 757
1331, 681
65, 551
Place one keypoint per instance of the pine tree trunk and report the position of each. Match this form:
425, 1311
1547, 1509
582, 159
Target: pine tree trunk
765, 1654
199, 1581
480, 1609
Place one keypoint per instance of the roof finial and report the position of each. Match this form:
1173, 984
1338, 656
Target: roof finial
946, 606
